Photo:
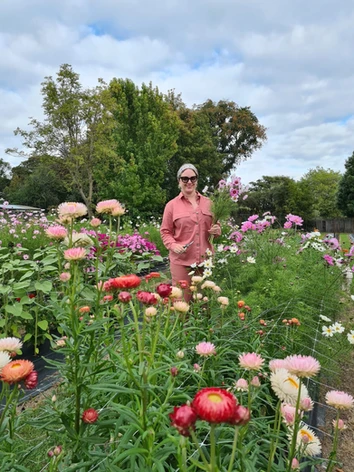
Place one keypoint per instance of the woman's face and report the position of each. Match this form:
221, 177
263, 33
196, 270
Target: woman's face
188, 181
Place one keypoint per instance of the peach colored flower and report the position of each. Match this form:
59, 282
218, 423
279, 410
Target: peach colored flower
75, 254
56, 232
208, 284
339, 400
196, 279
71, 210
302, 366
251, 361
224, 301
241, 385
205, 349
181, 306
176, 293
118, 210
150, 311
112, 207
65, 276
95, 222
15, 371
255, 381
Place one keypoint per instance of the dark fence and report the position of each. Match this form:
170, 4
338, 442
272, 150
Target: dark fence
335, 225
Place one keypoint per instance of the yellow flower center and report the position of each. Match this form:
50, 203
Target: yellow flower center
306, 434
15, 366
292, 382
215, 398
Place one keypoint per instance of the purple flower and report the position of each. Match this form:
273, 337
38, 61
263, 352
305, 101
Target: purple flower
328, 259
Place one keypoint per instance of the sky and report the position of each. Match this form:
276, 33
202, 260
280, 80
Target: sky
290, 61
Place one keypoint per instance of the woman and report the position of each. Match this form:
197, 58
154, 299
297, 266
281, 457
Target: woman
186, 226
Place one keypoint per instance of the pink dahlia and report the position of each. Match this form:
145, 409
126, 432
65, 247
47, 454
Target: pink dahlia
56, 232
205, 349
251, 361
340, 400
302, 366
75, 254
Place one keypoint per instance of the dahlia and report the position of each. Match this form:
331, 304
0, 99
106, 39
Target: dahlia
251, 361
71, 210
15, 371
90, 416
183, 418
302, 366
286, 386
214, 405
339, 400
10, 344
56, 232
74, 254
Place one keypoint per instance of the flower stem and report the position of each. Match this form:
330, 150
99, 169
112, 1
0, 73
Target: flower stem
233, 453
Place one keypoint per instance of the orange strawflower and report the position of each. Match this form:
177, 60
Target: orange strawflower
15, 371
241, 303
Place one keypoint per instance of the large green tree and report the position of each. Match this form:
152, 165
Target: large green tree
323, 185
345, 196
76, 129
145, 137
5, 174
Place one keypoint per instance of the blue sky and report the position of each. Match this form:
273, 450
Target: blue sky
289, 60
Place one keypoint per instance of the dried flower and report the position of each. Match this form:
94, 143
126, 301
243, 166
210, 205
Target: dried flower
90, 416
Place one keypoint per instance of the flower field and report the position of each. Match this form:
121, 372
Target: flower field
148, 382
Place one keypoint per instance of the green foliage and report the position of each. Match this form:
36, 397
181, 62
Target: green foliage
345, 199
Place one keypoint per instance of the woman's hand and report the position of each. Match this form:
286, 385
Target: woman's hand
215, 230
178, 249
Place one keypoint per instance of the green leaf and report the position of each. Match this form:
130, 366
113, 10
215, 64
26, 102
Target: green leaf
26, 316
27, 275
45, 286
27, 337
15, 310
4, 289
21, 285
43, 324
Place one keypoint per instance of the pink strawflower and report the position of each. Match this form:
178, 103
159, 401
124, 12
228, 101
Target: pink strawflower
65, 276
75, 254
196, 367
205, 349
71, 210
255, 381
295, 464
251, 361
95, 222
340, 400
241, 385
302, 366
10, 344
118, 210
288, 412
306, 404
340, 425
112, 207
56, 232
277, 364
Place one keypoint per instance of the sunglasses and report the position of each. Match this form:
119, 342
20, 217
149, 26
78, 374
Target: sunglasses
192, 179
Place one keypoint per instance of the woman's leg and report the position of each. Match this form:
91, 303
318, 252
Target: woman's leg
180, 272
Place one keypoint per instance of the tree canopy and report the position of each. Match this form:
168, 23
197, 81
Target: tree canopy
345, 198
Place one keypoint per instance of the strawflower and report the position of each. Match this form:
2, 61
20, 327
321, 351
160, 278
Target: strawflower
32, 380
181, 307
339, 400
75, 254
214, 405
90, 416
251, 361
224, 301
340, 425
286, 386
308, 441
205, 349
65, 276
302, 366
71, 210
241, 385
107, 206
15, 371
241, 416
10, 344
95, 222
124, 281
164, 290
56, 232
176, 293
183, 418
4, 359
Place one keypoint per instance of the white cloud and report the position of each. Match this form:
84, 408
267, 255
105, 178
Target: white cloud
290, 61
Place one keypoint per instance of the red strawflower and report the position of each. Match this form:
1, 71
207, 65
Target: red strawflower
214, 405
183, 284
153, 275
241, 416
183, 418
32, 380
174, 371
125, 297
90, 416
147, 298
31, 295
164, 290
125, 281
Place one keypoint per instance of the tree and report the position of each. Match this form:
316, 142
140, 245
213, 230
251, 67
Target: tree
345, 196
5, 172
323, 184
145, 134
76, 129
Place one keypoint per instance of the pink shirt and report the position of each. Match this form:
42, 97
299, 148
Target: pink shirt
181, 224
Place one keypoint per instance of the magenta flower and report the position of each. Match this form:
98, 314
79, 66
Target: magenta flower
288, 225
251, 361
329, 259
302, 366
205, 349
